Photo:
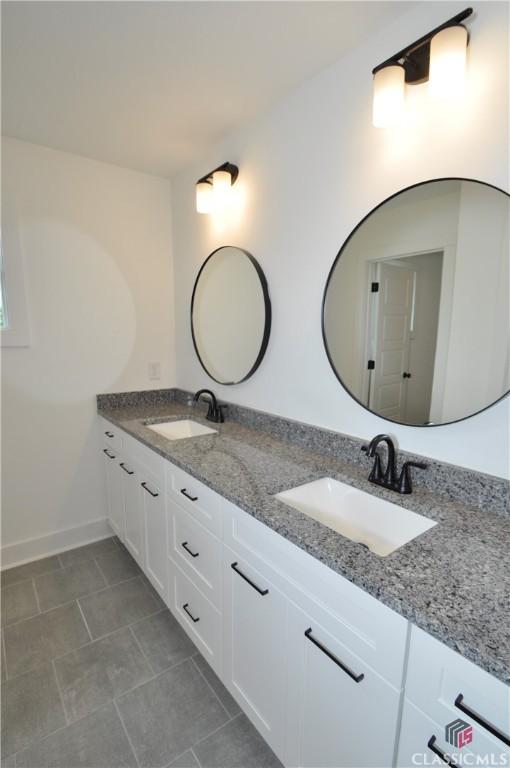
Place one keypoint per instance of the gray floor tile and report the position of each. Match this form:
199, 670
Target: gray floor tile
29, 571
237, 745
92, 676
31, 709
163, 640
117, 566
214, 681
67, 584
153, 592
187, 760
10, 762
96, 741
88, 551
117, 606
3, 665
18, 602
35, 641
166, 716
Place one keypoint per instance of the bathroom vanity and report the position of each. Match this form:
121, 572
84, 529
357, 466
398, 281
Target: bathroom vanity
339, 656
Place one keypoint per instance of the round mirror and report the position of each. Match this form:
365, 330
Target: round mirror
415, 314
230, 315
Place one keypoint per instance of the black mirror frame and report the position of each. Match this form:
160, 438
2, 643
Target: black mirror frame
267, 311
330, 275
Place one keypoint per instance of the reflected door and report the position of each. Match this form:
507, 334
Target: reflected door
393, 322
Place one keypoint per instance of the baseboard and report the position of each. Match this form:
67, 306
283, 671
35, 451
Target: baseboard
34, 549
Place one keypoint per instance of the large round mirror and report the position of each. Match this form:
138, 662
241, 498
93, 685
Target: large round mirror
230, 315
415, 313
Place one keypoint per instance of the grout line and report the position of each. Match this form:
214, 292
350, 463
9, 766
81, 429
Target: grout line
101, 572
224, 725
4, 655
36, 595
84, 620
130, 627
195, 756
60, 692
211, 688
126, 732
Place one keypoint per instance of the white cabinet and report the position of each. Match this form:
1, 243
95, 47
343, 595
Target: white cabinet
115, 499
254, 652
154, 516
340, 713
133, 510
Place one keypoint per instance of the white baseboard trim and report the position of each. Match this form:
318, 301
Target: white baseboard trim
34, 549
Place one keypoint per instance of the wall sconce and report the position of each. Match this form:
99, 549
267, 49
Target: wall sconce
212, 190
438, 57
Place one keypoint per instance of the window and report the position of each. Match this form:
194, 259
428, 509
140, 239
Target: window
14, 322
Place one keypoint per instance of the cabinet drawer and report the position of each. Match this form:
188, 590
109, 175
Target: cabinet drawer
145, 456
421, 736
374, 632
437, 676
197, 615
110, 435
195, 497
195, 550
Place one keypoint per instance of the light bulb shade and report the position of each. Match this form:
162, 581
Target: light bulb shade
448, 61
389, 93
222, 182
204, 197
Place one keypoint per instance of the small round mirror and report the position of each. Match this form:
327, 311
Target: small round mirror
415, 313
230, 315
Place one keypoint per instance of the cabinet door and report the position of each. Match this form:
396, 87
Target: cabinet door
341, 714
114, 490
254, 664
156, 563
133, 508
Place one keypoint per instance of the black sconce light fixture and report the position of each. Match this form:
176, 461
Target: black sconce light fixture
212, 189
438, 57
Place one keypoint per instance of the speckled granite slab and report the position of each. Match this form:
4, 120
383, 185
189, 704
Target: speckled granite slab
452, 581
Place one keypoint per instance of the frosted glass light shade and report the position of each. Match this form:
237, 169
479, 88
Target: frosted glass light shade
448, 61
389, 92
204, 197
222, 182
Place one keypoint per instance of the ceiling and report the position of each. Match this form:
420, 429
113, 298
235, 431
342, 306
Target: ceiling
153, 85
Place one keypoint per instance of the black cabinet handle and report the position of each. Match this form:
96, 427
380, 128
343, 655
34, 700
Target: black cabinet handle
481, 720
249, 581
194, 619
184, 545
110, 455
128, 471
406, 375
353, 675
146, 488
109, 434
448, 759
191, 498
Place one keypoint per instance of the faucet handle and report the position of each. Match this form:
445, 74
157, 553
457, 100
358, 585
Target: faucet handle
404, 482
221, 407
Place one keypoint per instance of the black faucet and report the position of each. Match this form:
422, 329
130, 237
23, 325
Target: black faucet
388, 479
214, 411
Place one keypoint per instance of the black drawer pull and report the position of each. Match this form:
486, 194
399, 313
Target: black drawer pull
109, 434
146, 488
448, 759
191, 498
110, 455
355, 677
128, 471
249, 581
184, 545
481, 720
194, 619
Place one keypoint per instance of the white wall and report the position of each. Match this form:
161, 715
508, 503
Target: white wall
309, 171
96, 240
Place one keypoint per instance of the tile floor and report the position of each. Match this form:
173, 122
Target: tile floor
96, 673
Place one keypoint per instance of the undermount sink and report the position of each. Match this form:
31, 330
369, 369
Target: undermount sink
380, 525
178, 430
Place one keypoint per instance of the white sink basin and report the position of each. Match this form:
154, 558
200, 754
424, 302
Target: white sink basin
178, 430
382, 526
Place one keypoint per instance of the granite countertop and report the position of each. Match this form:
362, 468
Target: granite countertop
452, 581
